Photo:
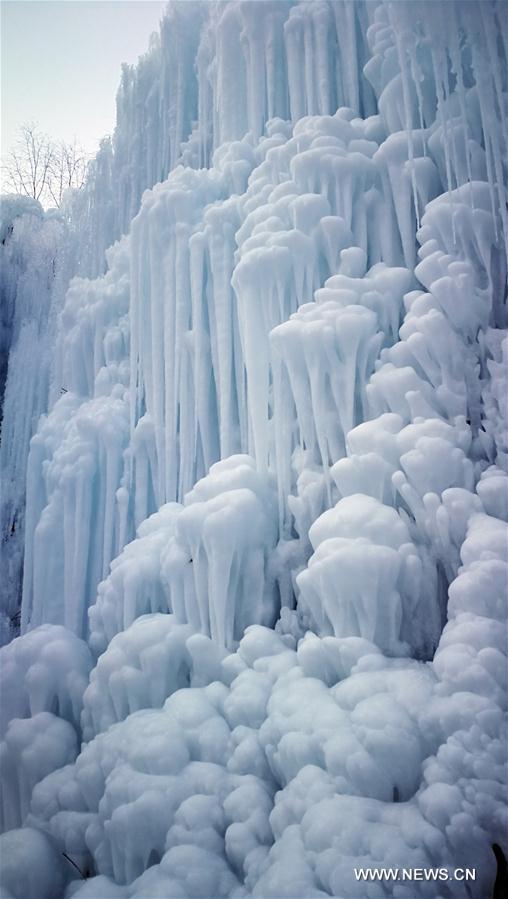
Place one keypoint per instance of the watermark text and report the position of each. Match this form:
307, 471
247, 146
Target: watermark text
415, 874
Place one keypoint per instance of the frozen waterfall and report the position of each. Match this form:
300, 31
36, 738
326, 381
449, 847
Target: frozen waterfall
254, 466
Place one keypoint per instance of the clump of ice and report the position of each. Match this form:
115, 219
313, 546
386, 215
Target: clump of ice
218, 566
32, 867
365, 578
315, 749
12, 206
134, 586
142, 666
207, 561
30, 749
45, 670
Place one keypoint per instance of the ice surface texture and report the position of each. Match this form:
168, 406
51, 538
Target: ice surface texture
265, 544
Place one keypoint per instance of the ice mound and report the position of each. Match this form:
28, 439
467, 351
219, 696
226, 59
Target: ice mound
194, 799
390, 462
44, 676
471, 662
32, 867
12, 206
184, 872
134, 586
283, 743
378, 448
185, 560
142, 666
45, 670
31, 748
492, 488
365, 577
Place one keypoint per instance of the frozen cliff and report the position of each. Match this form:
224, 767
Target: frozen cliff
261, 522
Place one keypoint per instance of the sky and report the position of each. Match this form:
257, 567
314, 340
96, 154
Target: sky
61, 62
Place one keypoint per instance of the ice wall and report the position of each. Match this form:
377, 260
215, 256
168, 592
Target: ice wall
273, 496
215, 72
321, 215
30, 290
367, 170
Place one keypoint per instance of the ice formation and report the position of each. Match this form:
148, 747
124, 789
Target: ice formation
29, 249
256, 374
365, 578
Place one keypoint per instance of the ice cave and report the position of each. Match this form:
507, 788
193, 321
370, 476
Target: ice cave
254, 466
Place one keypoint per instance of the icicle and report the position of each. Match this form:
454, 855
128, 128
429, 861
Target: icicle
403, 57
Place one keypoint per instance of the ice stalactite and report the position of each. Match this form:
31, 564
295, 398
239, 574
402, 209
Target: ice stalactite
218, 567
339, 337
76, 495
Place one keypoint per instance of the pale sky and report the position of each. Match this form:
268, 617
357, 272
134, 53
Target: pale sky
61, 60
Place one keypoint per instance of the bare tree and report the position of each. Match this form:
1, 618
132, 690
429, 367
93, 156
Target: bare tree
67, 170
43, 169
28, 165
